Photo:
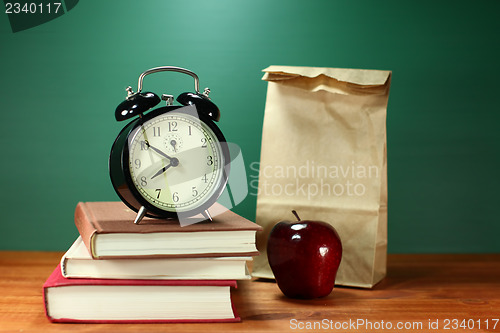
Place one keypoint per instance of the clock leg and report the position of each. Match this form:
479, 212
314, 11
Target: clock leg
140, 214
207, 215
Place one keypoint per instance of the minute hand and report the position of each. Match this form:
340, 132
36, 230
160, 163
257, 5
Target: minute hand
158, 151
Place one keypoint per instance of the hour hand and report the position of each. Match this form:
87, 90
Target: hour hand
173, 163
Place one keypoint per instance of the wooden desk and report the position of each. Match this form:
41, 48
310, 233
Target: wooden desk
418, 289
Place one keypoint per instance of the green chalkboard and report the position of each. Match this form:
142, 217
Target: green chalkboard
61, 81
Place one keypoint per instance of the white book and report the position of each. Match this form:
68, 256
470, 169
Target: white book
78, 263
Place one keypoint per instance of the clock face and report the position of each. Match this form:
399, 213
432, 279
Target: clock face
176, 162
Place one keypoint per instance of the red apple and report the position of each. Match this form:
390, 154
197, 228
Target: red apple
304, 257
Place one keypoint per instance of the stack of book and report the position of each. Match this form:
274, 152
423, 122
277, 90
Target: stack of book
157, 271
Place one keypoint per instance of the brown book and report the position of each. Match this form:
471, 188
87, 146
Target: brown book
108, 231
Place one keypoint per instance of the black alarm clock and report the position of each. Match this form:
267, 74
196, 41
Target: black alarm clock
173, 161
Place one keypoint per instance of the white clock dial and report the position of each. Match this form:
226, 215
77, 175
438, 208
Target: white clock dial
176, 161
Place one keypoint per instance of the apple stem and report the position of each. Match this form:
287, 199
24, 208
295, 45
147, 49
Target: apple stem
296, 215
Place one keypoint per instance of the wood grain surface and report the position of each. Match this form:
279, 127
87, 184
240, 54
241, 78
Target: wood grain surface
421, 293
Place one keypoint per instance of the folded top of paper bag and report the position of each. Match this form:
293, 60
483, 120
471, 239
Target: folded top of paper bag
335, 80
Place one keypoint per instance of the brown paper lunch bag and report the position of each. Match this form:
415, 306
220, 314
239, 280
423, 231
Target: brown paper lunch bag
324, 155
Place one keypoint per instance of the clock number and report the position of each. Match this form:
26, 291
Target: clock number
172, 126
175, 196
158, 190
205, 179
195, 191
210, 160
143, 181
137, 163
189, 130
144, 145
156, 131
203, 142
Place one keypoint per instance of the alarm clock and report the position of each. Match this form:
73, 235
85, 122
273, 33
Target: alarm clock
173, 161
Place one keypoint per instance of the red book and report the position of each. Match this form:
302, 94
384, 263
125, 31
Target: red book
136, 301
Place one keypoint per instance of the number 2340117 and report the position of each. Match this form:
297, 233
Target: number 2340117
32, 8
